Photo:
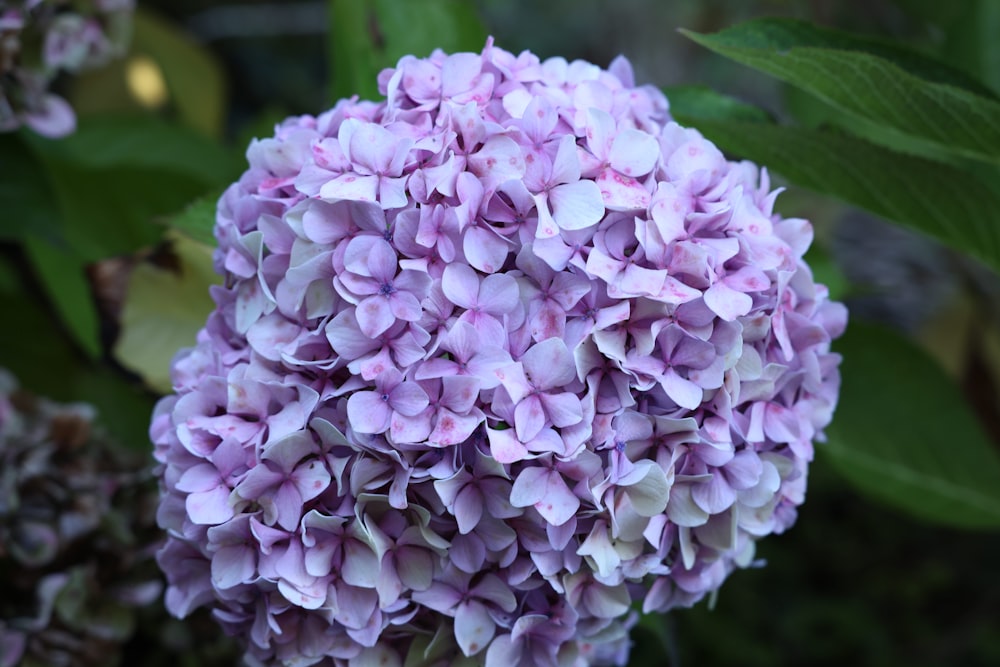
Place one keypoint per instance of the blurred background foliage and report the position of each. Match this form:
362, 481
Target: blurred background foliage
882, 117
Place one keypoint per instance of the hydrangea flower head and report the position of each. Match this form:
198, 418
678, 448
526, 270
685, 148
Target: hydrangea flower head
498, 362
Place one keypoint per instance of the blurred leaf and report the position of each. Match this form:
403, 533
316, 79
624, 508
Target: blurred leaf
35, 349
367, 36
25, 195
691, 101
903, 434
936, 199
164, 310
62, 274
197, 220
132, 141
906, 93
115, 175
194, 78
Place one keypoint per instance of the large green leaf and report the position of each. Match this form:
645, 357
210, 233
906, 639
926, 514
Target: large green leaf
115, 175
942, 201
25, 198
163, 311
903, 434
367, 36
904, 93
35, 349
62, 274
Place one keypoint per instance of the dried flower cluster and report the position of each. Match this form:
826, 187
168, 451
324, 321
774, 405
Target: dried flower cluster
39, 39
496, 362
77, 536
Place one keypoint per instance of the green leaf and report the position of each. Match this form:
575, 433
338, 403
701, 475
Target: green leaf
903, 92
25, 194
197, 220
62, 274
701, 102
35, 349
937, 199
904, 435
367, 36
163, 311
115, 175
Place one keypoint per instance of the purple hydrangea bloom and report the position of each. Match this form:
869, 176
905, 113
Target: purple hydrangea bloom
498, 362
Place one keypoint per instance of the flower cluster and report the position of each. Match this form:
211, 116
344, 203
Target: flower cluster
77, 535
39, 39
497, 361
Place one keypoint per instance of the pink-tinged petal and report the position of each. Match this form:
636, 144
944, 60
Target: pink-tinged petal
639, 281
372, 147
514, 381
257, 482
676, 292
439, 596
200, 477
726, 302
345, 336
748, 279
549, 364
460, 283
408, 399
468, 509
497, 162
781, 424
374, 315
210, 507
459, 392
404, 430
529, 418
505, 447
453, 429
566, 165
634, 153
562, 409
558, 504
368, 413
547, 227
499, 294
529, 487
484, 250
474, 628
350, 187
549, 321
713, 495
600, 132
287, 504
681, 391
405, 306
232, 566
311, 479
603, 266
576, 205
622, 193
538, 119
392, 192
